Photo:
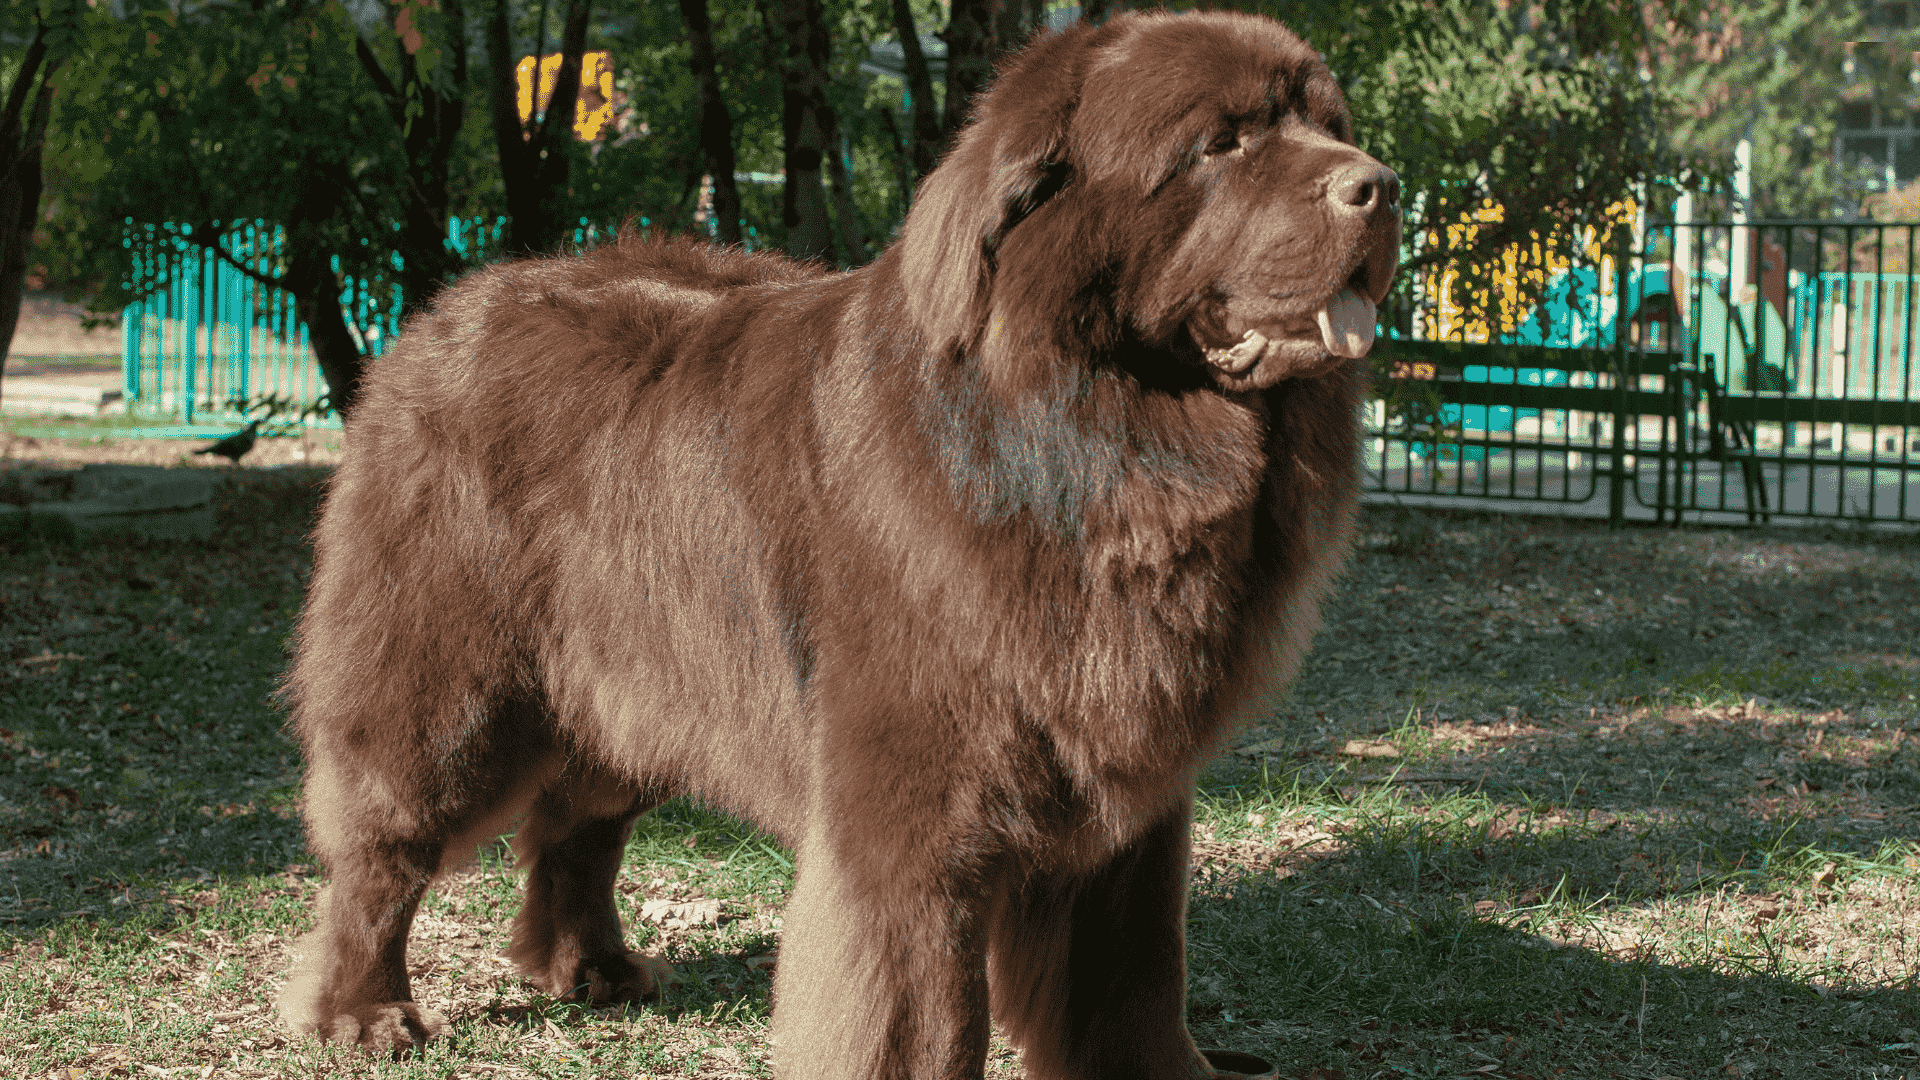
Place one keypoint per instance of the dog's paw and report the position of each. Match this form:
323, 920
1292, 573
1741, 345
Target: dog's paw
393, 1027
614, 979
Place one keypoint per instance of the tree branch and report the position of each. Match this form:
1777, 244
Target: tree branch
926, 119
562, 104
212, 243
716, 126
396, 104
457, 18
27, 151
17, 96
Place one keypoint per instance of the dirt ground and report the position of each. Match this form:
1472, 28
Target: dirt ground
53, 326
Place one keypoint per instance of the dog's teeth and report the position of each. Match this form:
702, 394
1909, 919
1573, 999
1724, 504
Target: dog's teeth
1242, 356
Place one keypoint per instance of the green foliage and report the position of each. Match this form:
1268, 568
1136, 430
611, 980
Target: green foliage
1553, 111
1779, 69
244, 118
657, 175
653, 169
1539, 109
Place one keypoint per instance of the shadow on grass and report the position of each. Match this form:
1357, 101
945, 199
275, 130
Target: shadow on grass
1712, 733
1395, 936
1734, 679
1317, 972
141, 758
1650, 811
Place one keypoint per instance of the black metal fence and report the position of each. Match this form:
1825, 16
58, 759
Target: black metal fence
1707, 371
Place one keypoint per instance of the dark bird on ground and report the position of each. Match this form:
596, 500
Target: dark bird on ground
235, 446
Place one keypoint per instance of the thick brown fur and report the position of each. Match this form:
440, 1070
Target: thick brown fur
950, 571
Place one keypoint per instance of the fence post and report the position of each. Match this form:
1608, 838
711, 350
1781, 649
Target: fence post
190, 312
1617, 480
131, 329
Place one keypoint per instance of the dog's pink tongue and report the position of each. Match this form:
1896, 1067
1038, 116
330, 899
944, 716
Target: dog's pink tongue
1346, 324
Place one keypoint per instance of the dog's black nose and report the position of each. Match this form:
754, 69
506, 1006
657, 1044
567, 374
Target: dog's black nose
1364, 188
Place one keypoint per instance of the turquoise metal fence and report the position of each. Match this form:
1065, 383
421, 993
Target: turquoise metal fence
207, 336
1656, 379
211, 332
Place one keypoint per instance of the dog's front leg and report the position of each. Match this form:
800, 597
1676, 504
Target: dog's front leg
879, 979
1089, 969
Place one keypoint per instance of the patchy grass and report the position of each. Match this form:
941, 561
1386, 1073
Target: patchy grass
1545, 802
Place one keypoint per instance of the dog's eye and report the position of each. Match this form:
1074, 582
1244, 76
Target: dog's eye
1227, 142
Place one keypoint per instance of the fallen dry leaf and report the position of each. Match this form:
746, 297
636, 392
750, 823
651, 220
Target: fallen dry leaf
681, 914
1370, 748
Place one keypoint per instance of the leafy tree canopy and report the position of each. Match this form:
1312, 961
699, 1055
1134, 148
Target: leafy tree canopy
1554, 111
1776, 72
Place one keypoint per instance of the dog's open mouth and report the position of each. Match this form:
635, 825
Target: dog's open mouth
1236, 336
1345, 324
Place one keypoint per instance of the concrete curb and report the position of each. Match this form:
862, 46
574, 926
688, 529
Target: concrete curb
145, 500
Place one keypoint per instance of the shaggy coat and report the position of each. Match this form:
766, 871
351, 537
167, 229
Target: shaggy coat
951, 571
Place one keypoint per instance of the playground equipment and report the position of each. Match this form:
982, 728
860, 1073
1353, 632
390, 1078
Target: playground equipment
1790, 389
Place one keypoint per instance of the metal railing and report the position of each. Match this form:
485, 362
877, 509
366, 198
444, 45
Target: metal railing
1658, 379
206, 334
1666, 370
212, 331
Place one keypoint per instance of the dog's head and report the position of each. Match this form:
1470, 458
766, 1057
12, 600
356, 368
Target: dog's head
1188, 182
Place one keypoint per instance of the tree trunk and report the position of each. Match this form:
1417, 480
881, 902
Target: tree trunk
853, 239
430, 145
803, 78
902, 158
556, 128
978, 34
20, 180
534, 156
971, 52
509, 136
316, 291
427, 261
716, 127
316, 300
926, 144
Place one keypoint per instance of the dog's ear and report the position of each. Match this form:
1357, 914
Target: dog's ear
1006, 163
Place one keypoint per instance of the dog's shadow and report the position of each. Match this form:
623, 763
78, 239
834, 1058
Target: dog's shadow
715, 986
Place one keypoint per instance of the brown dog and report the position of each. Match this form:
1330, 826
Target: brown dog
951, 570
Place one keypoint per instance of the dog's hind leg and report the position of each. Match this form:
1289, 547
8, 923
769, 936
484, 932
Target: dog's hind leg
391, 799
568, 938
1088, 973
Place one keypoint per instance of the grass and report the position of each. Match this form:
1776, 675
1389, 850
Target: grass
1544, 802
94, 430
119, 437
28, 367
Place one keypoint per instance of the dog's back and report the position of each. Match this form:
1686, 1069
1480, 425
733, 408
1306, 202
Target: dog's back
553, 437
